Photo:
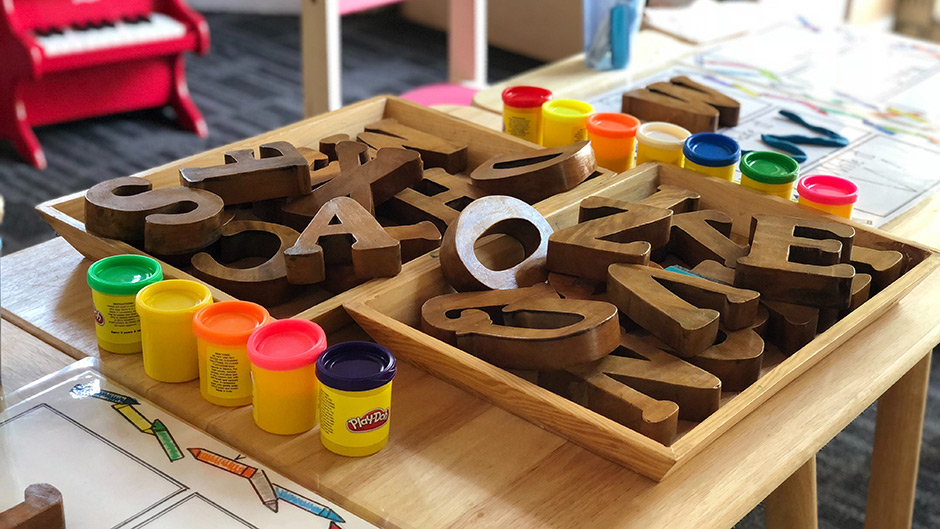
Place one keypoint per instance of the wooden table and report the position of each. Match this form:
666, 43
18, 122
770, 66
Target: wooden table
894, 470
456, 461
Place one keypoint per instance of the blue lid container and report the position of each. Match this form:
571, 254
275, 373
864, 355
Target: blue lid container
356, 366
710, 149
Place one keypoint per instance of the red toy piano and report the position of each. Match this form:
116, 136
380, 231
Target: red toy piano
63, 60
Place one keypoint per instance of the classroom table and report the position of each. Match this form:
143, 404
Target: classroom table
455, 460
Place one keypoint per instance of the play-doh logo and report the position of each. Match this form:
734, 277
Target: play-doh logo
99, 319
369, 421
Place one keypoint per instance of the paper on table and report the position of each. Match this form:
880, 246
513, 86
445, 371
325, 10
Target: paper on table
117, 472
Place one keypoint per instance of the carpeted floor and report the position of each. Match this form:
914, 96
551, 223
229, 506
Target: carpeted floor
250, 83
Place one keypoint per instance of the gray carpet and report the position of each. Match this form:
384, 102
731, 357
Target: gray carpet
250, 83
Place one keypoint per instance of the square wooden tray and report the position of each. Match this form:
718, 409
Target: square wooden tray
66, 214
391, 315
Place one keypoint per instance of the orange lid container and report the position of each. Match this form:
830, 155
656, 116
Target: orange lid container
229, 322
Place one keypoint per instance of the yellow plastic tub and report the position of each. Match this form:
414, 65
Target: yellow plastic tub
115, 282
283, 358
166, 312
613, 138
658, 141
712, 154
831, 194
222, 331
522, 111
564, 121
355, 397
770, 172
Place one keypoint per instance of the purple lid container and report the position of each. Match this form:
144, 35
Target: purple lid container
356, 366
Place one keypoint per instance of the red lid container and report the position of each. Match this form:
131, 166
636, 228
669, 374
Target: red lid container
828, 190
285, 345
526, 96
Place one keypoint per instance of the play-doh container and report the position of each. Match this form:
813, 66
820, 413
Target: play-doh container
613, 138
658, 141
166, 312
283, 358
770, 172
522, 111
355, 397
712, 154
564, 121
831, 194
114, 283
222, 331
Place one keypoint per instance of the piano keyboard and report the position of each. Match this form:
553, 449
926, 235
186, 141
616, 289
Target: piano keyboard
68, 41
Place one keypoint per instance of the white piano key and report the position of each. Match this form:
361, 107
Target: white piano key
71, 41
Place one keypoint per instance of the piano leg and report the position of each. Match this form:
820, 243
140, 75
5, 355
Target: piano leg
187, 115
15, 127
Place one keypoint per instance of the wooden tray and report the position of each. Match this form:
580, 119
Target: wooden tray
391, 315
66, 214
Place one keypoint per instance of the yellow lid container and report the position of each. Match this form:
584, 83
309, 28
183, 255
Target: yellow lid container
564, 121
658, 141
166, 312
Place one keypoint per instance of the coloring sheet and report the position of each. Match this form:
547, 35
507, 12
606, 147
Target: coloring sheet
121, 462
893, 145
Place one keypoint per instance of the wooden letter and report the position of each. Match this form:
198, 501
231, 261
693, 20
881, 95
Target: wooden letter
170, 221
884, 266
495, 215
641, 387
253, 256
861, 291
573, 287
790, 326
799, 260
439, 197
735, 358
281, 172
683, 102
526, 328
715, 271
416, 240
728, 109
370, 184
625, 233
536, 175
681, 310
435, 152
342, 232
704, 235
678, 199
42, 509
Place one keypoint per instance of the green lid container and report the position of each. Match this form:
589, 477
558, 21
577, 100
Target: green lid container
770, 167
124, 275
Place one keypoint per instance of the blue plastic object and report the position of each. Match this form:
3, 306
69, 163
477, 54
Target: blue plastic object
710, 149
609, 27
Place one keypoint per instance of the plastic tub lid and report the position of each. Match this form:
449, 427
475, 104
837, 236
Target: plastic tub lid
662, 135
769, 167
124, 275
285, 345
526, 96
567, 110
356, 366
229, 322
710, 149
612, 125
829, 190
173, 296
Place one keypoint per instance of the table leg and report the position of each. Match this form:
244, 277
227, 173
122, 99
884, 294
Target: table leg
320, 43
793, 504
896, 453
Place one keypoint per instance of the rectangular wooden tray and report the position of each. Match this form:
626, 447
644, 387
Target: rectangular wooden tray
66, 214
391, 315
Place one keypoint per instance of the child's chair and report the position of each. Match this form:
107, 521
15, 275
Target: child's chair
466, 43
